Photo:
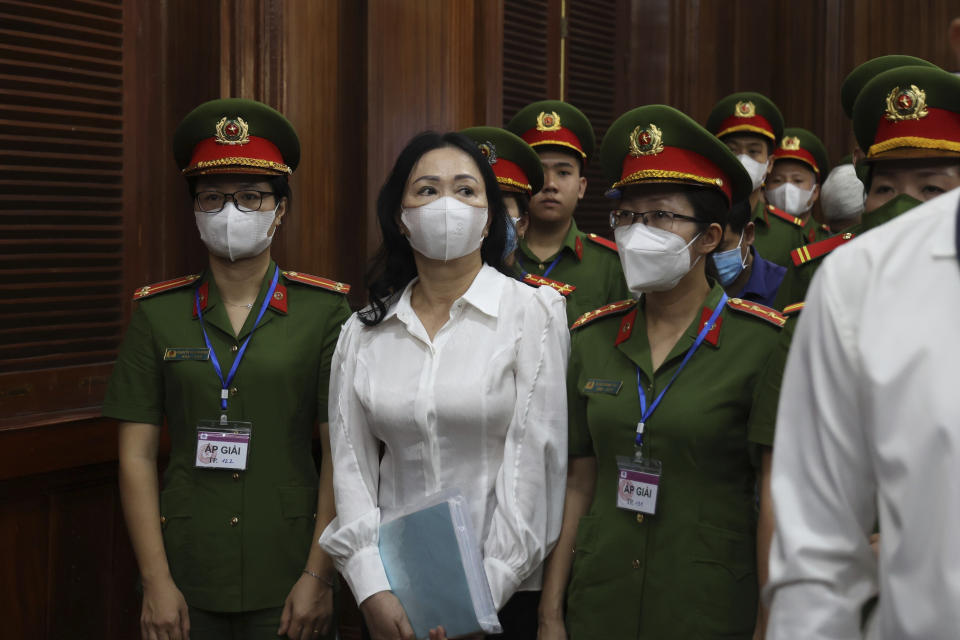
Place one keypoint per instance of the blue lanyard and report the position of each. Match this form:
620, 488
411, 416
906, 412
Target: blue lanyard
645, 412
549, 269
243, 348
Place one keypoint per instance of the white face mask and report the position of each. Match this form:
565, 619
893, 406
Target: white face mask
652, 259
756, 170
234, 234
841, 195
445, 229
791, 198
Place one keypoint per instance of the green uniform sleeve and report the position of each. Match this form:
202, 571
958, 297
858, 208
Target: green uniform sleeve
761, 426
135, 393
579, 442
338, 316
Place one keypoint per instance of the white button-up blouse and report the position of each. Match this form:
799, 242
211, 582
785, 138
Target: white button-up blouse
481, 408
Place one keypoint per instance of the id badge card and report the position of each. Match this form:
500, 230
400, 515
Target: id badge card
223, 445
638, 483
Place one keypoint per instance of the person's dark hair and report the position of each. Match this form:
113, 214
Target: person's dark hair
565, 150
393, 267
280, 185
709, 205
739, 216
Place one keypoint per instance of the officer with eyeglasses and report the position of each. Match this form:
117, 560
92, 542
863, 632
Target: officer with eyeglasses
236, 362
661, 536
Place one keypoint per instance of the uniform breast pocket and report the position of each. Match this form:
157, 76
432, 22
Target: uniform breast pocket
723, 579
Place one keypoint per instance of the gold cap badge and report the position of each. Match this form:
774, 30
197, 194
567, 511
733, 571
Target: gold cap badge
548, 121
790, 143
232, 131
646, 141
745, 109
489, 151
906, 104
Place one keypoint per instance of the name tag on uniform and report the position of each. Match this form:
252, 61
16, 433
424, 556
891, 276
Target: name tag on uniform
596, 385
223, 445
639, 482
186, 353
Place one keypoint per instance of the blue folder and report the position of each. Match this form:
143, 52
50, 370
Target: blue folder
435, 568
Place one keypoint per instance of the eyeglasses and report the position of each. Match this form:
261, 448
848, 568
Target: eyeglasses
657, 218
246, 200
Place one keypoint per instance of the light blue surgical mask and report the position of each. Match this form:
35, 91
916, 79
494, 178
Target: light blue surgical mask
512, 241
729, 264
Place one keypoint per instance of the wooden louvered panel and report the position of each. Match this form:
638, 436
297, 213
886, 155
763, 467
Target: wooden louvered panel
591, 85
525, 54
61, 172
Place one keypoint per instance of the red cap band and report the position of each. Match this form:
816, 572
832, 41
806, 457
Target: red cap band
509, 174
753, 124
797, 154
257, 156
562, 137
677, 165
939, 129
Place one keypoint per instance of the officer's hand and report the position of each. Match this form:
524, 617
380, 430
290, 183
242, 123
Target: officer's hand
386, 618
439, 633
551, 629
164, 614
308, 610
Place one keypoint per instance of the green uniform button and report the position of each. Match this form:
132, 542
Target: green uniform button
233, 392
234, 521
234, 348
639, 516
236, 476
163, 520
636, 564
541, 266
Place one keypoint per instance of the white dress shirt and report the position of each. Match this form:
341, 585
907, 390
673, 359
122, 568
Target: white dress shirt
481, 408
868, 427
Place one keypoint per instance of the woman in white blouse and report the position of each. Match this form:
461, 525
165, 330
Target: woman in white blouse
456, 371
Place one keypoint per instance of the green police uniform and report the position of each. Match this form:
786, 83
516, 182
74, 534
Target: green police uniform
235, 541
586, 271
688, 571
777, 233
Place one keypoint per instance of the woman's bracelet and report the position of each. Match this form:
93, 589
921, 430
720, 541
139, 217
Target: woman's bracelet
319, 577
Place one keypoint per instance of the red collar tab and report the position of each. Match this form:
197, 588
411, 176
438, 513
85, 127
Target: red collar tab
279, 301
602, 312
797, 154
713, 336
510, 176
783, 215
167, 285
626, 327
561, 137
257, 155
757, 310
203, 292
805, 254
939, 129
317, 281
603, 242
792, 309
578, 248
562, 288
749, 124
673, 164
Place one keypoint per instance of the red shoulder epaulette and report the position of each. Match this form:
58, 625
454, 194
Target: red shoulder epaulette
783, 215
317, 281
606, 310
791, 309
805, 254
603, 242
167, 285
766, 313
562, 288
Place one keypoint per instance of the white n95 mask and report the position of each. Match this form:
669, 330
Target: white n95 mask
234, 234
445, 229
790, 198
652, 259
756, 170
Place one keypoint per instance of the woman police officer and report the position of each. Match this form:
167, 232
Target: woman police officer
660, 527
236, 361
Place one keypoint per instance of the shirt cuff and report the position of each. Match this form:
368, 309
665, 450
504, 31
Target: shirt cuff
502, 579
365, 574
